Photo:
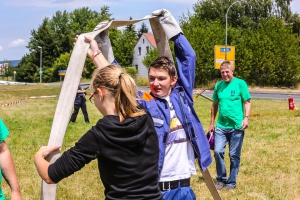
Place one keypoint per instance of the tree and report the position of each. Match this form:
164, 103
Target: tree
104, 15
123, 47
64, 36
56, 37
130, 27
81, 18
27, 70
203, 38
245, 14
123, 43
60, 63
43, 37
263, 56
143, 29
150, 57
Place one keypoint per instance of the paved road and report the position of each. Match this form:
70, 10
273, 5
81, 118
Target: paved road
267, 95
280, 95
254, 94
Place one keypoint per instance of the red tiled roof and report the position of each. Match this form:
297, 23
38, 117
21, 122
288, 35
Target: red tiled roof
151, 39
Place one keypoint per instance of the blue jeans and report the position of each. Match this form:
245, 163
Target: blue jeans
181, 193
235, 141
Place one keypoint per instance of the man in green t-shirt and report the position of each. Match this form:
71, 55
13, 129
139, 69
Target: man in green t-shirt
232, 99
7, 166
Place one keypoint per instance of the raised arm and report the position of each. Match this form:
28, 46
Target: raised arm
9, 172
95, 54
186, 61
185, 55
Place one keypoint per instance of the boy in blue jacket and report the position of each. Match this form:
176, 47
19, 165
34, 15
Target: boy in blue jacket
170, 103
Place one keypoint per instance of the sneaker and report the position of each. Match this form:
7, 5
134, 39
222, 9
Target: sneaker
220, 185
227, 187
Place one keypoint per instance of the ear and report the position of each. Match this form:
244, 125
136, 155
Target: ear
101, 92
173, 81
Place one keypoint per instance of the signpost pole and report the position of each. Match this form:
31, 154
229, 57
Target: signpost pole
226, 29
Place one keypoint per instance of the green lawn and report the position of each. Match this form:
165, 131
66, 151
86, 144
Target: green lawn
270, 158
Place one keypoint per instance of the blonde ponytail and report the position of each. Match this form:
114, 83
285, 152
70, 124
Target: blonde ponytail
122, 87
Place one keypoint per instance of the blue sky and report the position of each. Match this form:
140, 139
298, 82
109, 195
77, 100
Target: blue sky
19, 17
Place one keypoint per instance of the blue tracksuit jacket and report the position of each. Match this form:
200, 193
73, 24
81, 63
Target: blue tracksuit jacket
182, 100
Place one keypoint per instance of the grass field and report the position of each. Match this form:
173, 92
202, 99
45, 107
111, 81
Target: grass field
269, 165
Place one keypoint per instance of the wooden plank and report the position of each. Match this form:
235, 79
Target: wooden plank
210, 184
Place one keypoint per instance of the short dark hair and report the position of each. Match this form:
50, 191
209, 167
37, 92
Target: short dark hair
164, 63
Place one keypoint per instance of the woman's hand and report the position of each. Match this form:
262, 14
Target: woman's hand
94, 52
44, 151
42, 164
93, 43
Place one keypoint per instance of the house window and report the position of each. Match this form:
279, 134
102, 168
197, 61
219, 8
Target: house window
140, 51
136, 67
143, 41
147, 49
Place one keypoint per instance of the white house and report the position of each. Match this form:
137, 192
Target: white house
142, 47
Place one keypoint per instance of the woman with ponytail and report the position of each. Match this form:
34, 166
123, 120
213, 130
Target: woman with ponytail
124, 141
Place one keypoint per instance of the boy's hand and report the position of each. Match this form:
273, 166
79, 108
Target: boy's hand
168, 22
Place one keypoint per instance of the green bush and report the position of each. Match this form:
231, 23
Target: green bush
132, 71
141, 81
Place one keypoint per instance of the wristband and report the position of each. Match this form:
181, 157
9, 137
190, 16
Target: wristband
247, 117
92, 57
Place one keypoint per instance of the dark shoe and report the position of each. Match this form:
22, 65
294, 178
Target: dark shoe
220, 185
227, 187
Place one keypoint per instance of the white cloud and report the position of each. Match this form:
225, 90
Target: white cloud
1, 48
16, 43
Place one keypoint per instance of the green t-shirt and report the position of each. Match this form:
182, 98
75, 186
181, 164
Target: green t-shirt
231, 97
3, 134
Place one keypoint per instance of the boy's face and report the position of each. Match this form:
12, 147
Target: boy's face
160, 82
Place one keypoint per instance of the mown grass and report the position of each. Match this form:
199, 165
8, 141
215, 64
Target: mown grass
270, 158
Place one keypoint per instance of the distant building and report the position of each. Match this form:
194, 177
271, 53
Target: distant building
143, 46
13, 63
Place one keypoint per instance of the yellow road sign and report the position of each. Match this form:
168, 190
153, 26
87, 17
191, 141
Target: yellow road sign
62, 72
220, 55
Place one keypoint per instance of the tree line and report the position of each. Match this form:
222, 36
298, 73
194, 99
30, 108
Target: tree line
265, 34
56, 37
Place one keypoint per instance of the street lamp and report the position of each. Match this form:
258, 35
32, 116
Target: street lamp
15, 76
41, 72
226, 28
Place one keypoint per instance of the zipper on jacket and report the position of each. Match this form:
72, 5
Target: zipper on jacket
181, 98
165, 137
